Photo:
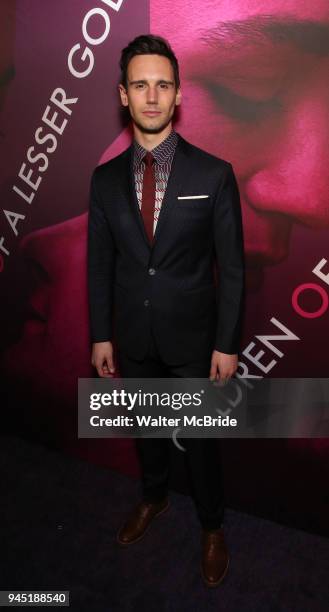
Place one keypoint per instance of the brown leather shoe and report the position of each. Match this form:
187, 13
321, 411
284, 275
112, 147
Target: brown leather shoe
215, 558
139, 520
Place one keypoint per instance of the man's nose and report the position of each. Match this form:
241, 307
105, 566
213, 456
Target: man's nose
152, 95
292, 177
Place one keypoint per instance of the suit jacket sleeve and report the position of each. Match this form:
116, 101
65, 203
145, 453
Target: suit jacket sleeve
228, 239
100, 264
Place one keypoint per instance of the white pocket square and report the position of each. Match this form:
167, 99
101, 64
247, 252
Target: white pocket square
192, 197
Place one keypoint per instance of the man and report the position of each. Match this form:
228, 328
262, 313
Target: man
161, 214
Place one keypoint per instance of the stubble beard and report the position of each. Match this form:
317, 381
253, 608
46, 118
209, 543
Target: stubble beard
145, 129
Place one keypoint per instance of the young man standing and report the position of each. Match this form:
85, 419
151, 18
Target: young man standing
161, 214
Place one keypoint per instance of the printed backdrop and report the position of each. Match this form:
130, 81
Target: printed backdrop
254, 92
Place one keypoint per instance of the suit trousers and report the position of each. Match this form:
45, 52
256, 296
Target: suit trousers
202, 455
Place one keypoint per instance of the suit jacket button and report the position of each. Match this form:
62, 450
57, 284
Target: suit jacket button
146, 302
151, 271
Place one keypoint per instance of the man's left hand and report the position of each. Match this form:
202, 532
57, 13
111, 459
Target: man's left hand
223, 366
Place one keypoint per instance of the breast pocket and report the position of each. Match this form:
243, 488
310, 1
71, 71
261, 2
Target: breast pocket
194, 209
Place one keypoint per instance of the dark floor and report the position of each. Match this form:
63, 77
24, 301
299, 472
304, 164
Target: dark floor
59, 518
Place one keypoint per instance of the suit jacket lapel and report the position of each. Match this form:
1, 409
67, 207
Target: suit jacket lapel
129, 191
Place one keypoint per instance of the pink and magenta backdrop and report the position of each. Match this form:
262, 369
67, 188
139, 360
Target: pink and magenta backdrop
254, 81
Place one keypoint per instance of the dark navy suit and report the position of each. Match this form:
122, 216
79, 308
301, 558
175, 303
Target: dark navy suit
164, 305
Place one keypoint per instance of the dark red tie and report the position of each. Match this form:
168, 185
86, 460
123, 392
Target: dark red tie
148, 195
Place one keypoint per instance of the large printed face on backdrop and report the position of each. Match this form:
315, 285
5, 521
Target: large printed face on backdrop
255, 86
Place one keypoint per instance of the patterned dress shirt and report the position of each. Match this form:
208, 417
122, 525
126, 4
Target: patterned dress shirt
163, 156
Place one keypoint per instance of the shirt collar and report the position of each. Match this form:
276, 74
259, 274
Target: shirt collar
162, 153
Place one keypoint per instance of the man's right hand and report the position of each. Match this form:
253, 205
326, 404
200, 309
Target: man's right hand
102, 359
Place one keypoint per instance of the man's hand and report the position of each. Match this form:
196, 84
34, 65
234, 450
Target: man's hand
102, 359
223, 366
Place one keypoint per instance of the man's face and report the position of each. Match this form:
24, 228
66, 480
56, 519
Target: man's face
255, 84
151, 94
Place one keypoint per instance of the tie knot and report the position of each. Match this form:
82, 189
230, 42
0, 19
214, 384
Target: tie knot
148, 159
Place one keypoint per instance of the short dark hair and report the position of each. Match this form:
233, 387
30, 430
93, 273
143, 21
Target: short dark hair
148, 44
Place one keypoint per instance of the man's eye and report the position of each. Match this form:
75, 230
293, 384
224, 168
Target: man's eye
164, 85
140, 86
240, 107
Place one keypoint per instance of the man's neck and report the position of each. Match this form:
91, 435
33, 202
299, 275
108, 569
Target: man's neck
150, 141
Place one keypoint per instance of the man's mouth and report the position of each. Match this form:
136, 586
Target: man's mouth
151, 113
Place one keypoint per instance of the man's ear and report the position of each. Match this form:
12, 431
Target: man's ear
178, 96
123, 95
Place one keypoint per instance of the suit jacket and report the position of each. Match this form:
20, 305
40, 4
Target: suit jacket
169, 286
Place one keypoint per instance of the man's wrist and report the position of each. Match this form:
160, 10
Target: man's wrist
232, 353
